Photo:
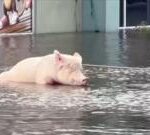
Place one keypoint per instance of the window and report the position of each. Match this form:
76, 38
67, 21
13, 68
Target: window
134, 12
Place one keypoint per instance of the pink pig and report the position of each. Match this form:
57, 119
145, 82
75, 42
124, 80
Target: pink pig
49, 69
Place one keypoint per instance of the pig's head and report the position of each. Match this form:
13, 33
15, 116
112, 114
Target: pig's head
69, 69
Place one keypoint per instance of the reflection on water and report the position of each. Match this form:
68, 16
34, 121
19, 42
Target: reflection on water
117, 101
14, 49
126, 48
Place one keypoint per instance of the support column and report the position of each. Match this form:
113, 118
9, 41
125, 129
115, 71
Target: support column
1, 9
101, 15
112, 15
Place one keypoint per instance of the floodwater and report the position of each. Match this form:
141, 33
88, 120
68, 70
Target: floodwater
116, 102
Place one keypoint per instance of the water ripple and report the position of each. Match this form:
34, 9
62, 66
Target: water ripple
117, 101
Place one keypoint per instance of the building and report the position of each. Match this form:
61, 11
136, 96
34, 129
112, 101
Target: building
52, 16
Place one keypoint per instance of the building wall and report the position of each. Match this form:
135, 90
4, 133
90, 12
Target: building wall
94, 18
53, 16
1, 8
112, 15
101, 15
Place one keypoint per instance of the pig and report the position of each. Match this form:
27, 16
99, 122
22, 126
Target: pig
49, 69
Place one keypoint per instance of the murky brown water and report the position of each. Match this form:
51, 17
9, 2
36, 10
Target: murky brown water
117, 101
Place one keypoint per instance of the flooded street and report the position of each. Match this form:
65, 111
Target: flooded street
116, 102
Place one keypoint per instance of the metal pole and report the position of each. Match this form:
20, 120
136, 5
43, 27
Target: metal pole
124, 13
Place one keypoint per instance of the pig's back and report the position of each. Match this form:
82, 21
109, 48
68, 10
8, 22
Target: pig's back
25, 70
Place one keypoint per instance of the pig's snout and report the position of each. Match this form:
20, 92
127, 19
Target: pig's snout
85, 81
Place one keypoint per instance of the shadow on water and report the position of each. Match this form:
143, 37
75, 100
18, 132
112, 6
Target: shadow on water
117, 101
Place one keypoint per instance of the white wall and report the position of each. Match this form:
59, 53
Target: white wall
54, 16
57, 16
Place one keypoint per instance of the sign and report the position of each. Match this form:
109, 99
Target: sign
15, 16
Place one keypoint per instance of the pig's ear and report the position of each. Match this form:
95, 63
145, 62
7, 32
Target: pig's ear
58, 57
77, 55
